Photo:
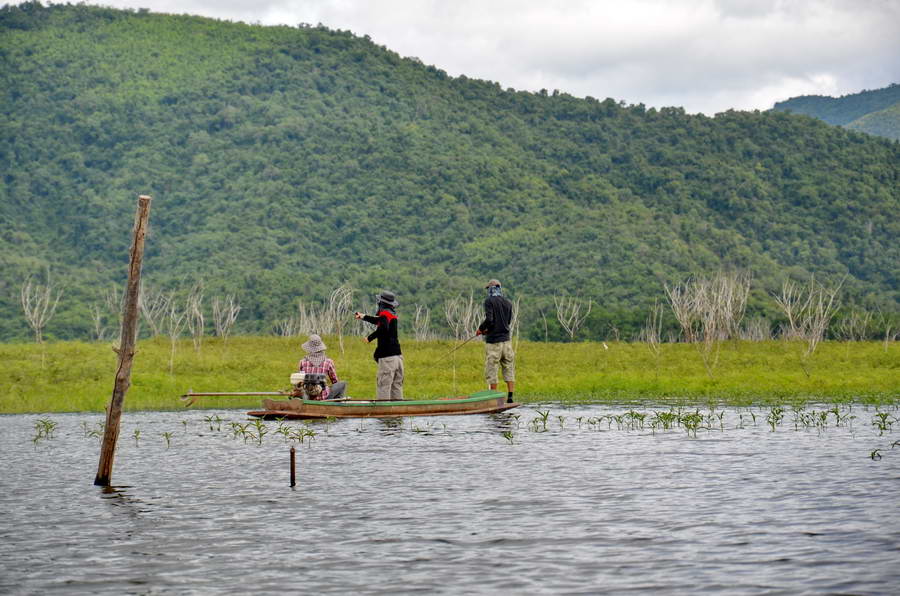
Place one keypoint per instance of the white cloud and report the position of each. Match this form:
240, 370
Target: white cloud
704, 55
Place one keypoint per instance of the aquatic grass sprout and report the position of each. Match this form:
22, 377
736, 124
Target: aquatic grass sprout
168, 438
883, 422
260, 428
44, 429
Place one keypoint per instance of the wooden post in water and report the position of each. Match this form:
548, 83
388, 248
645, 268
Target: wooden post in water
293, 469
130, 312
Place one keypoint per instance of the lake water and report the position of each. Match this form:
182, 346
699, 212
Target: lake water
592, 502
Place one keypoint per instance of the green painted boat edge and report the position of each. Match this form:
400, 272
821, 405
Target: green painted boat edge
474, 397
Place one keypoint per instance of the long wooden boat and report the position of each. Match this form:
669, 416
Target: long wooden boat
483, 402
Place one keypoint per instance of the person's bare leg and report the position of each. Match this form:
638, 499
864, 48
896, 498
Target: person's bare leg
492, 386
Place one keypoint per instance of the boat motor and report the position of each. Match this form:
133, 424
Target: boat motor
313, 385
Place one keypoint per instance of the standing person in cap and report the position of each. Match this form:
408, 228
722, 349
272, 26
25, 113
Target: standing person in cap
497, 344
316, 363
389, 379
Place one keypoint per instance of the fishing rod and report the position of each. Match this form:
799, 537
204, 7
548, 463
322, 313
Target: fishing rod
461, 345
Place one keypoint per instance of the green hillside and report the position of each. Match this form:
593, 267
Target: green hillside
874, 112
883, 123
285, 161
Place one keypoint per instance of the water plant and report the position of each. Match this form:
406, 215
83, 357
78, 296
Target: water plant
136, 435
260, 428
168, 437
664, 419
508, 435
691, 422
44, 428
775, 416
301, 433
882, 421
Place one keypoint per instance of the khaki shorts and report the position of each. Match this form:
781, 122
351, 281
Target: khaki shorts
499, 355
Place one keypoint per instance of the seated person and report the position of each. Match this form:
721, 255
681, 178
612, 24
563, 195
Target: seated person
316, 364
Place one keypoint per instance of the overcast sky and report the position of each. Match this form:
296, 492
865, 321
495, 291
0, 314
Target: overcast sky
704, 55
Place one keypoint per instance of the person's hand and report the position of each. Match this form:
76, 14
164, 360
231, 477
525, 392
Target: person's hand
365, 340
479, 332
358, 315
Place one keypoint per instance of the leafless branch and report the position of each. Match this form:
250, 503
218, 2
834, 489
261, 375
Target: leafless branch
225, 314
39, 304
572, 313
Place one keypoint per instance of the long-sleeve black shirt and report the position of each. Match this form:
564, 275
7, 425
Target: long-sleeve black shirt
385, 332
497, 318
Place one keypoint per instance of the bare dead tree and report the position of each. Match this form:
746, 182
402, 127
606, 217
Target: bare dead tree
855, 326
420, 323
809, 311
516, 320
651, 332
572, 313
710, 309
225, 314
886, 321
681, 299
823, 305
756, 329
98, 317
463, 316
39, 304
285, 327
175, 320
154, 307
793, 301
544, 318
338, 311
195, 321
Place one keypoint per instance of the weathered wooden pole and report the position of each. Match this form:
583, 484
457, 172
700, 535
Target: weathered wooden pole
293, 467
130, 312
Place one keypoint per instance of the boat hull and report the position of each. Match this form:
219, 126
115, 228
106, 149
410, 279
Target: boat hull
485, 402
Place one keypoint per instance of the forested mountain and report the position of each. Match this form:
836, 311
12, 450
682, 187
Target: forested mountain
285, 161
874, 112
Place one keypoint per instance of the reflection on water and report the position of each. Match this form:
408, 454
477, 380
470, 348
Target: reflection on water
578, 500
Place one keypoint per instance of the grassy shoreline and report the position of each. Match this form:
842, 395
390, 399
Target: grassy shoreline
78, 376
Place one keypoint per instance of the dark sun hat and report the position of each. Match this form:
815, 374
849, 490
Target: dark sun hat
387, 298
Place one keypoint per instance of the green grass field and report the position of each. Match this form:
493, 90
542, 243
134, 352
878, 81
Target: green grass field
77, 376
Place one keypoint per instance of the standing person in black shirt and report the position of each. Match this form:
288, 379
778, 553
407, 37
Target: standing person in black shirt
389, 379
497, 344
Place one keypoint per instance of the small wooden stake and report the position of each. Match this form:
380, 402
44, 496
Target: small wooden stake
130, 312
293, 467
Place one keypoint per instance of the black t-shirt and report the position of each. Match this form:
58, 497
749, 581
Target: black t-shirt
386, 333
497, 318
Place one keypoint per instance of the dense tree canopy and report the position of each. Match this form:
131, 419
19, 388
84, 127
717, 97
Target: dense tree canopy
285, 161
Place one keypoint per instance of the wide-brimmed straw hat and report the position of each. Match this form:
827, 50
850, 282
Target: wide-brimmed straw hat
388, 298
314, 345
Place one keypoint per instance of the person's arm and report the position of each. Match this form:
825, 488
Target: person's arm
380, 323
331, 372
488, 322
